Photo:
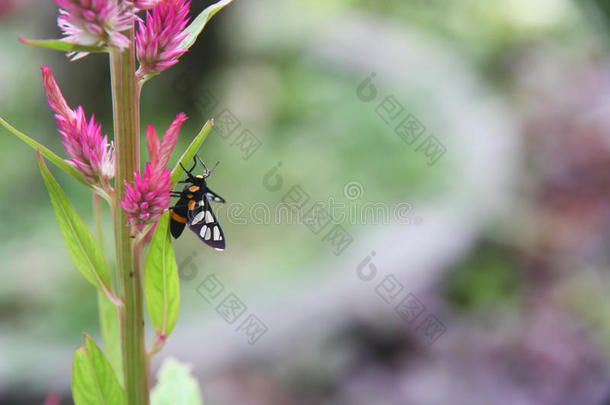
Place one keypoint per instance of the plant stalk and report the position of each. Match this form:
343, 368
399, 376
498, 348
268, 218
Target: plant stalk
97, 215
126, 111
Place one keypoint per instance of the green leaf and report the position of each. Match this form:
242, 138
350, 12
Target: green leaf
46, 152
190, 152
60, 45
176, 385
84, 249
193, 31
195, 28
109, 325
161, 283
93, 381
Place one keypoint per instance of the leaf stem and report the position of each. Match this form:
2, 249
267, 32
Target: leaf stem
156, 346
126, 111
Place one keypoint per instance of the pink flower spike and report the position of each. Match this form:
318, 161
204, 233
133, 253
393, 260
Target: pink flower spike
95, 22
145, 4
158, 39
152, 142
54, 97
88, 150
148, 197
168, 143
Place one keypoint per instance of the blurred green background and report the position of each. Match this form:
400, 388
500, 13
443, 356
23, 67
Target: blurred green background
503, 238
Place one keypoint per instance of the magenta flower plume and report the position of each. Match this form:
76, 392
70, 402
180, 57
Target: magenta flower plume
88, 150
95, 22
158, 39
148, 197
146, 4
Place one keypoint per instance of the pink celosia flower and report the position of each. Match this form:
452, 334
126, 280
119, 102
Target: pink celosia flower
145, 4
95, 22
89, 152
148, 197
158, 39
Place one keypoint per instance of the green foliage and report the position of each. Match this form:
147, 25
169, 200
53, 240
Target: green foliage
488, 279
194, 30
82, 246
59, 45
46, 152
161, 285
109, 325
176, 385
190, 152
93, 381
196, 27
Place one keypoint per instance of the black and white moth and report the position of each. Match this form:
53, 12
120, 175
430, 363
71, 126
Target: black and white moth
193, 208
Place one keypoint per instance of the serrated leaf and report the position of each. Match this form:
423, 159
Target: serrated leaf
161, 283
93, 381
195, 27
64, 46
175, 385
190, 152
82, 246
46, 152
109, 325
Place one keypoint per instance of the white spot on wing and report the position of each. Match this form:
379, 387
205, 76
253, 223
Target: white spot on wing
203, 231
198, 218
209, 219
208, 233
216, 233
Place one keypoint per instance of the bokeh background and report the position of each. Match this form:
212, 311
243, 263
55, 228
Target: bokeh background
477, 265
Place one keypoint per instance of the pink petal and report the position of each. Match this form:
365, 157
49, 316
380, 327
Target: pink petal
55, 98
168, 143
152, 142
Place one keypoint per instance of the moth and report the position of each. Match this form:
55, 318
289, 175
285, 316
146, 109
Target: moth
193, 208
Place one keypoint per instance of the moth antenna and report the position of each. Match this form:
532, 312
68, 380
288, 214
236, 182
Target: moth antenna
188, 172
202, 163
215, 166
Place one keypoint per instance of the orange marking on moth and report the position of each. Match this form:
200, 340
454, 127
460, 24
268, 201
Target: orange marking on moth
192, 205
189, 196
178, 218
193, 189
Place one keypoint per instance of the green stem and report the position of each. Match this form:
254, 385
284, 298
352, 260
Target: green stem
97, 214
126, 111
108, 310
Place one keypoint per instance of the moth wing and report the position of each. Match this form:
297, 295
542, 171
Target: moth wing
203, 222
212, 196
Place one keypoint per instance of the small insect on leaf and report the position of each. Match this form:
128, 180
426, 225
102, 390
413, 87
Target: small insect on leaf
193, 208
